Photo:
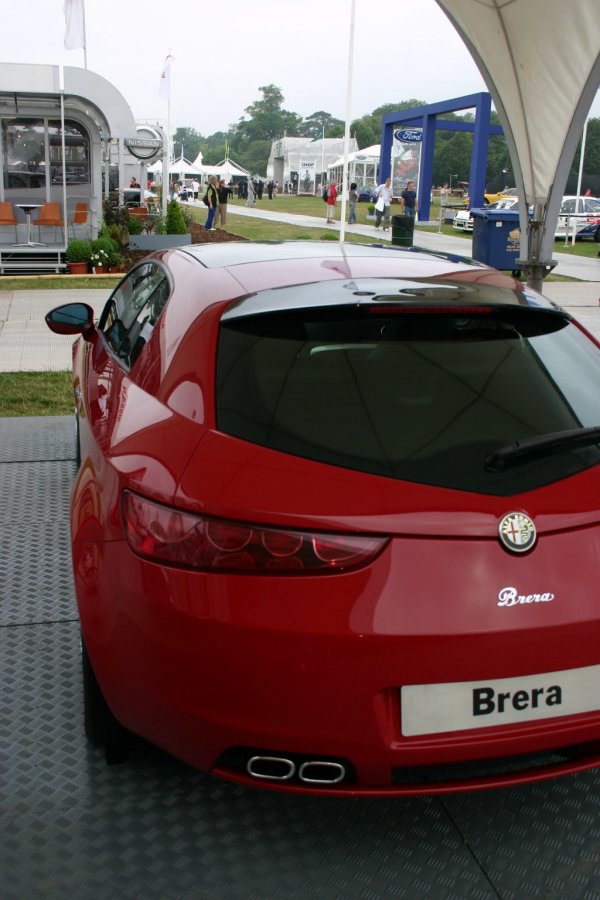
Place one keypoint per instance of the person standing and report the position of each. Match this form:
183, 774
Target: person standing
195, 188
213, 202
410, 206
331, 200
251, 196
270, 189
353, 199
223, 193
382, 207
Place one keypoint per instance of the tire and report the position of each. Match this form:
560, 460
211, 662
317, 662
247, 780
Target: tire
597, 235
101, 727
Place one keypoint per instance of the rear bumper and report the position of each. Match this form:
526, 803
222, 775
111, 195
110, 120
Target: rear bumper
311, 668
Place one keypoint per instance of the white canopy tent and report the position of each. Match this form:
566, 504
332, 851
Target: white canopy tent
225, 169
179, 169
540, 60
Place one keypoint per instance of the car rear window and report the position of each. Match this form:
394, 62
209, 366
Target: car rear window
420, 394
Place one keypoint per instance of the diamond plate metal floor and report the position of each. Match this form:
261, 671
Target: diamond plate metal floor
155, 828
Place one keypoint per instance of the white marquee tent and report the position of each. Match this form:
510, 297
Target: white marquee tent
540, 60
179, 169
225, 169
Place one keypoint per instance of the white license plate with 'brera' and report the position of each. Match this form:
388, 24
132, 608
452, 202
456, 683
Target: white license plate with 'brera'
462, 705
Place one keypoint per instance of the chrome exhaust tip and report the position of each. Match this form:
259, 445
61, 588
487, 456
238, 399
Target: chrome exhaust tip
321, 772
271, 768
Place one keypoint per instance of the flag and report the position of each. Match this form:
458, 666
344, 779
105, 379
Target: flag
164, 88
74, 24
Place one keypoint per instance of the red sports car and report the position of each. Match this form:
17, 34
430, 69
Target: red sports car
336, 524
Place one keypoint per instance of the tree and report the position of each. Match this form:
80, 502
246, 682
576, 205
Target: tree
314, 124
267, 118
175, 223
453, 157
591, 160
254, 157
186, 142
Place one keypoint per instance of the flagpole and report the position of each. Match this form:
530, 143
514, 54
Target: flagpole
63, 150
167, 157
165, 93
84, 35
580, 176
347, 128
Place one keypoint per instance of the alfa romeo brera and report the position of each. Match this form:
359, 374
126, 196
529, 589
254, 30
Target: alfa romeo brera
336, 521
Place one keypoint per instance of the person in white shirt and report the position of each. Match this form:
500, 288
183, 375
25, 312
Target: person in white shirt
382, 207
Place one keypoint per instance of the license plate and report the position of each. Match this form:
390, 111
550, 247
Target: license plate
463, 705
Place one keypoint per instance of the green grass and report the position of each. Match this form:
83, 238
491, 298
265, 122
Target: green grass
264, 230
36, 394
55, 282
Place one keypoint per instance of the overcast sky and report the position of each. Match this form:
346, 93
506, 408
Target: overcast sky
403, 49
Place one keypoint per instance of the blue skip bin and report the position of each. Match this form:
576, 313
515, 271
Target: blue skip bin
497, 237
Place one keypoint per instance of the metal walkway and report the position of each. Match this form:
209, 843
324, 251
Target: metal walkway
155, 828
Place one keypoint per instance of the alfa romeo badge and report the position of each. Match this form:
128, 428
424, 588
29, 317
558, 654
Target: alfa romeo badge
517, 532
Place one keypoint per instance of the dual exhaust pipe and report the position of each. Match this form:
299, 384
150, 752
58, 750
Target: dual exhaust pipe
280, 768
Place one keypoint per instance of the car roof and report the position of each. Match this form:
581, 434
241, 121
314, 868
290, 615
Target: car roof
236, 253
338, 271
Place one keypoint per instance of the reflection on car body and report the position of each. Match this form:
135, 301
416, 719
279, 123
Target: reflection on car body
336, 526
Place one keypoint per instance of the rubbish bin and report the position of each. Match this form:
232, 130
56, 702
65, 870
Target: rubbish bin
497, 238
403, 228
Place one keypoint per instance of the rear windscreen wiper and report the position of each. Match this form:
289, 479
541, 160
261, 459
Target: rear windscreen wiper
555, 442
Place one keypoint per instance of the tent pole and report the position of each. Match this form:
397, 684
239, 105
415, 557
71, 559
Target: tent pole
534, 267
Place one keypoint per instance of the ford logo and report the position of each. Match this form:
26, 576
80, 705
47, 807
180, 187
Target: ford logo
409, 135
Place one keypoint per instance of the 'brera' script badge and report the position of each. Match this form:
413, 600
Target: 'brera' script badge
517, 532
509, 596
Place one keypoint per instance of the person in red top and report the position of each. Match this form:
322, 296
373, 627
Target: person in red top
331, 201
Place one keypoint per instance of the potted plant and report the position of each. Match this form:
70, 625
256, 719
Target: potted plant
371, 211
78, 256
105, 255
99, 261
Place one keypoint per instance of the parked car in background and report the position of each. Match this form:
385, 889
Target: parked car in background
366, 194
463, 220
579, 214
336, 523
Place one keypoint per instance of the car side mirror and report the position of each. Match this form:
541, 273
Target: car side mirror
72, 318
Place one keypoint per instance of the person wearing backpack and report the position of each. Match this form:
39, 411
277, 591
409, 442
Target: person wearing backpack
331, 200
211, 198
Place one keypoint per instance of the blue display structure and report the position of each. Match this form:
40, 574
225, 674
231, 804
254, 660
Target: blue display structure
425, 118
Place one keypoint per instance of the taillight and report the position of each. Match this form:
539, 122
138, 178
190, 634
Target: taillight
177, 538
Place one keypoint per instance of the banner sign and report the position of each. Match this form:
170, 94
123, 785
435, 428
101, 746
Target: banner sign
406, 158
306, 176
